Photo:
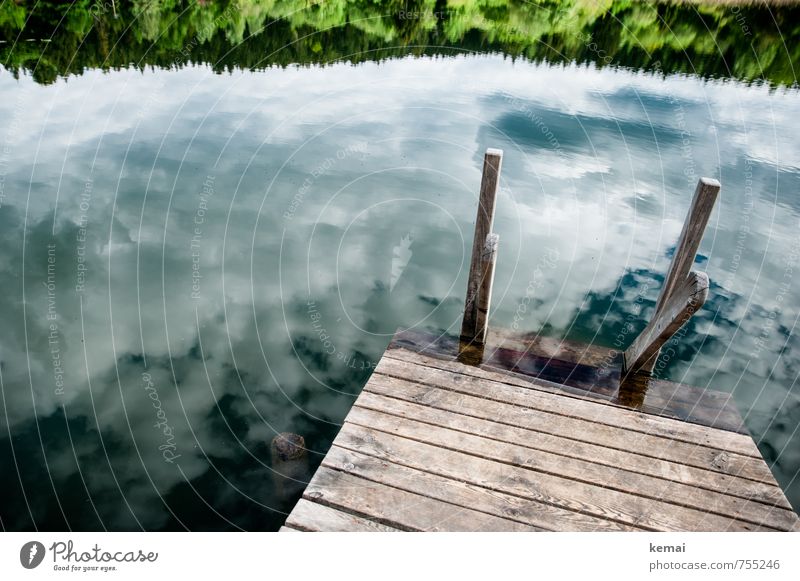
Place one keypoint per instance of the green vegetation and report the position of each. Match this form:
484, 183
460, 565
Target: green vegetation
748, 43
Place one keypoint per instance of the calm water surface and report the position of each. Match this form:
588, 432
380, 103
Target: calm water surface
193, 262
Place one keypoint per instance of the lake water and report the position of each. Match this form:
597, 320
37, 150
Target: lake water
193, 261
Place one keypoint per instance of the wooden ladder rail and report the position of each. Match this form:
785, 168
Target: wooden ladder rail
474, 325
683, 292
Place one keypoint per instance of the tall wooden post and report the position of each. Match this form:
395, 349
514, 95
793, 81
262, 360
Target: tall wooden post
682, 295
484, 253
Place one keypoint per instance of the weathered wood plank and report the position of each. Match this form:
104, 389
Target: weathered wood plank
398, 508
531, 362
505, 350
312, 516
686, 299
491, 386
470, 330
572, 428
614, 478
670, 471
573, 495
530, 512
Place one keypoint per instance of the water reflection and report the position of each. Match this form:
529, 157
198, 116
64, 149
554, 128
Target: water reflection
227, 257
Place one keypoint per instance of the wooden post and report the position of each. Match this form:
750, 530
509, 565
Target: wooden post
488, 258
484, 251
705, 196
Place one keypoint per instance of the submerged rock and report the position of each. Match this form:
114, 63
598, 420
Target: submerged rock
287, 446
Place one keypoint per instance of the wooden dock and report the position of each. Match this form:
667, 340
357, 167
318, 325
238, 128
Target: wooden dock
432, 444
494, 431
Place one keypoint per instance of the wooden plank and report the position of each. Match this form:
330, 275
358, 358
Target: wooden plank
705, 407
705, 196
312, 516
550, 489
572, 428
522, 367
671, 471
398, 508
741, 443
439, 351
492, 386
546, 462
497, 371
437, 347
686, 299
492, 162
530, 512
